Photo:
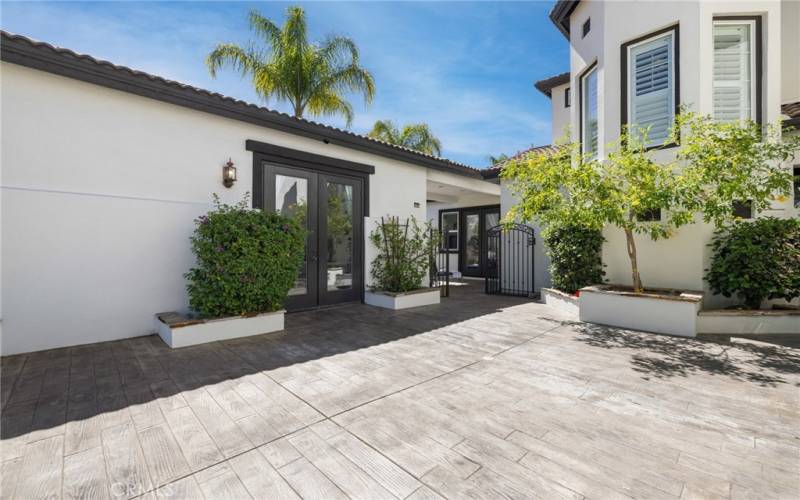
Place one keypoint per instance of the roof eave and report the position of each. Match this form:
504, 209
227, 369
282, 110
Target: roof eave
560, 15
44, 57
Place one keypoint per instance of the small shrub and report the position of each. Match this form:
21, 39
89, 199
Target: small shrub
575, 256
247, 260
756, 260
403, 258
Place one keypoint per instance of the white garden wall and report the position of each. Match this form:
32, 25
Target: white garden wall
99, 190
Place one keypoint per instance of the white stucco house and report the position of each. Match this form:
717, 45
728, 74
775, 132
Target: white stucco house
636, 62
105, 168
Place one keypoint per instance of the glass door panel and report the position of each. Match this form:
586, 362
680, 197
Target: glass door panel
339, 236
341, 265
472, 244
291, 200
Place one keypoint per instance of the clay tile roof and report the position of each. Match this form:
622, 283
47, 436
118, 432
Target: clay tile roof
493, 171
792, 109
43, 56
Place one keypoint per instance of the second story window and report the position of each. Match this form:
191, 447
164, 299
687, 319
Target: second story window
735, 80
650, 86
589, 111
567, 98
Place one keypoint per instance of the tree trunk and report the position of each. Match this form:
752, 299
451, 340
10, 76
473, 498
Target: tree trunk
637, 280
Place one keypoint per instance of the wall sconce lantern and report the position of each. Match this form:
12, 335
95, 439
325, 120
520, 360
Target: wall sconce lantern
228, 174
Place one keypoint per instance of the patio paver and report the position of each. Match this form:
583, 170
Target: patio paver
480, 397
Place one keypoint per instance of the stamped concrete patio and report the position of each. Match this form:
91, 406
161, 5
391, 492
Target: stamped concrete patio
480, 397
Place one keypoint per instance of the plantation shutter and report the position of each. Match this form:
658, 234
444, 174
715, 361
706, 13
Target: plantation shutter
732, 71
590, 113
652, 89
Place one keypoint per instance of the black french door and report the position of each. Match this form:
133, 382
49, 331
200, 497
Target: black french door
476, 256
331, 209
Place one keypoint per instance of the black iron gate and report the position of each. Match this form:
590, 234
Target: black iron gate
439, 264
509, 260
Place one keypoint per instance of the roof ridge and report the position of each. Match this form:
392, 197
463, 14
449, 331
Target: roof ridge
63, 51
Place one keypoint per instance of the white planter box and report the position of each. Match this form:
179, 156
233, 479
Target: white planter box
738, 322
561, 301
417, 298
660, 311
177, 331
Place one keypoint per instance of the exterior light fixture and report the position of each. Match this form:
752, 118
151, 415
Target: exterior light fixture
228, 174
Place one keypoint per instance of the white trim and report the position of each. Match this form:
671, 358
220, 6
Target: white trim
671, 76
751, 23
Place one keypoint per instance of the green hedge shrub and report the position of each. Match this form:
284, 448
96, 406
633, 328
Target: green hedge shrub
756, 260
404, 251
247, 260
575, 254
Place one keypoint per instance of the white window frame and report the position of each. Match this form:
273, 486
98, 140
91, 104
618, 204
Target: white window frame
631, 76
585, 144
755, 99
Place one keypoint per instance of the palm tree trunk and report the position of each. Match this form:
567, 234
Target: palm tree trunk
637, 279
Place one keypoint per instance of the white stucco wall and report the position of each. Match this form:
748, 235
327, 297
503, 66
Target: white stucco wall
99, 191
560, 114
680, 261
790, 55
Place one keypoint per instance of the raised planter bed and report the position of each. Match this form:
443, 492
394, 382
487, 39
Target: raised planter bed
416, 298
673, 312
561, 301
177, 330
749, 322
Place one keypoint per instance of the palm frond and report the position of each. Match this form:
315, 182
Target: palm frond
386, 131
266, 28
242, 60
418, 136
329, 104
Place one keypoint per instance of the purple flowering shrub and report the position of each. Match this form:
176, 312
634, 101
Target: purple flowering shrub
246, 260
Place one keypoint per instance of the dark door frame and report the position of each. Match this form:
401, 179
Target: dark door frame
322, 167
462, 233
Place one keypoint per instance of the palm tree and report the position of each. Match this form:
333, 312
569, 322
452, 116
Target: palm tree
313, 78
416, 136
495, 160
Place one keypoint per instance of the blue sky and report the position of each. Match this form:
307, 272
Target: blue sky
467, 69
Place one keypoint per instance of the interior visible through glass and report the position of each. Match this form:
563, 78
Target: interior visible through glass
291, 199
450, 230
340, 236
473, 248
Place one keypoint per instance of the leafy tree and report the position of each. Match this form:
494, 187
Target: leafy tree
313, 78
716, 165
416, 136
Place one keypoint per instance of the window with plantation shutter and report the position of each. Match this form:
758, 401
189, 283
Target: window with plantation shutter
589, 112
734, 68
651, 87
